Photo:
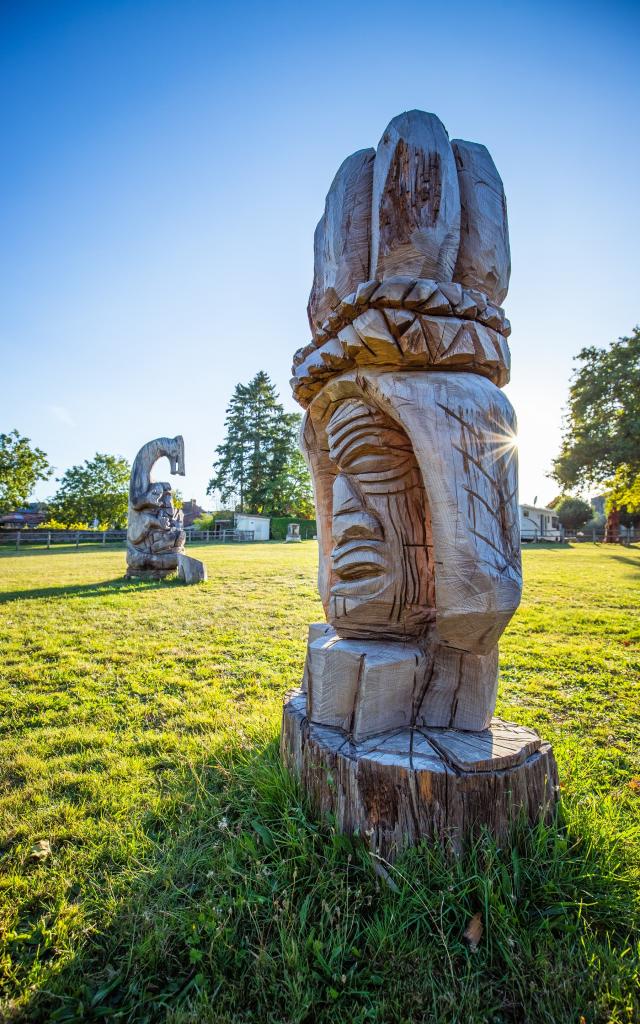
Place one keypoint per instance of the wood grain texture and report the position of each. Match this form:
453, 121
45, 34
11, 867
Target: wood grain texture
341, 241
484, 258
415, 223
399, 788
382, 560
155, 536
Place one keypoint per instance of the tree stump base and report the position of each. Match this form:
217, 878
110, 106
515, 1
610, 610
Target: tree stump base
402, 786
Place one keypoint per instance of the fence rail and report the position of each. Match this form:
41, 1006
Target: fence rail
628, 535
22, 538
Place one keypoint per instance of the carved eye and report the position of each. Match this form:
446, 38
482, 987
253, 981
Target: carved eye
363, 440
371, 448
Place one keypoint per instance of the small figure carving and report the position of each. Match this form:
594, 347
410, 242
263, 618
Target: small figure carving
155, 535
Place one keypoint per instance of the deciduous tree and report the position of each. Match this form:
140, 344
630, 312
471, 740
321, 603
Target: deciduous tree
573, 512
96, 490
602, 432
623, 492
21, 466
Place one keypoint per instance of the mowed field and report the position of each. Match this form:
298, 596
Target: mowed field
186, 881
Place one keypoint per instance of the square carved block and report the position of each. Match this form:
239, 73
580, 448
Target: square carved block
362, 686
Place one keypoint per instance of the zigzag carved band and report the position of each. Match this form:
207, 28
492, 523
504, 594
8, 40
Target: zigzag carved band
422, 295
402, 339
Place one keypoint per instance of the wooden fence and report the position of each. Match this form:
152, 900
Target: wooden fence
23, 538
47, 538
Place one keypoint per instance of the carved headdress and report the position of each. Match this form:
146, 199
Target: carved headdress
411, 261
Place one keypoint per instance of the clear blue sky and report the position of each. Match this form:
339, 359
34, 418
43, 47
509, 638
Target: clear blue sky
165, 163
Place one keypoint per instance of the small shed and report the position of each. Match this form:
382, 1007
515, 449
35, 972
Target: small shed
258, 525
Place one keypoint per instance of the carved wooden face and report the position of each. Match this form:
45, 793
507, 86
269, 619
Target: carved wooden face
382, 572
159, 496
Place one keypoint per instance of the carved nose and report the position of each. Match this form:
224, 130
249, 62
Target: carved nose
350, 518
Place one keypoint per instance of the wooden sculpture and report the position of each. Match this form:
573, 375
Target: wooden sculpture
411, 445
155, 536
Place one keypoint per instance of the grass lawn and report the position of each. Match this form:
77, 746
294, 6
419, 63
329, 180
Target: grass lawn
186, 883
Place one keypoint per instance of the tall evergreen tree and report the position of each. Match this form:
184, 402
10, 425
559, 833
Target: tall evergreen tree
258, 466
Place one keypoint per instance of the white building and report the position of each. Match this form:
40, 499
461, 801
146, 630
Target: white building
259, 526
538, 523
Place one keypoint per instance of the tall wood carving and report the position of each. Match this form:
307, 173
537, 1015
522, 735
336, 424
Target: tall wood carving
155, 536
411, 445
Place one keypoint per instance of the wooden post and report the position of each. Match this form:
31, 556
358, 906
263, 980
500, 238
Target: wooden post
49, 539
104, 537
77, 540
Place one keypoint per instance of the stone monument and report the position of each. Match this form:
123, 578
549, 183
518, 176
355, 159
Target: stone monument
411, 446
155, 536
293, 534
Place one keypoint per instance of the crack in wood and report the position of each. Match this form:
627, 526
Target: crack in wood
356, 694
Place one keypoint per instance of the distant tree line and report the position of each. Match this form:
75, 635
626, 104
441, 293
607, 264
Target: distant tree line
573, 513
94, 492
259, 469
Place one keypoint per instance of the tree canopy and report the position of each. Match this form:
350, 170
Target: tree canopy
96, 490
573, 512
21, 466
602, 431
623, 492
259, 468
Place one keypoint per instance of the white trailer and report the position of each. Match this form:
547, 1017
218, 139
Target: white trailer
538, 523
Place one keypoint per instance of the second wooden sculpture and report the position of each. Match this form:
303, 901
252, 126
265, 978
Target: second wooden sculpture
411, 445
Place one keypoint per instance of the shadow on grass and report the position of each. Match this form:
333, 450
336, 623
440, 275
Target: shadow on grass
547, 545
104, 587
27, 550
245, 909
633, 562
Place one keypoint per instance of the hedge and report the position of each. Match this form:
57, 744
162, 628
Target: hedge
279, 525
